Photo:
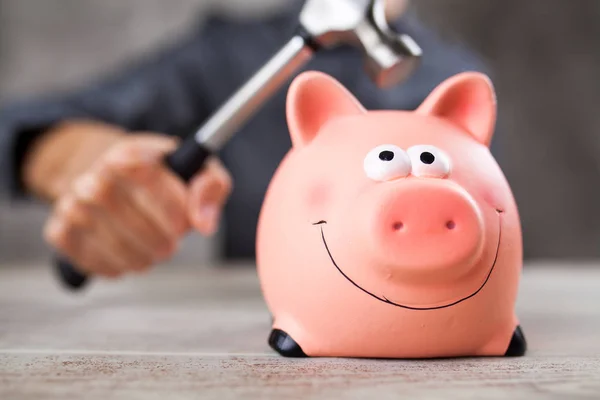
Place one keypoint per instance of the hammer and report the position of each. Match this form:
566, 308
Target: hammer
389, 59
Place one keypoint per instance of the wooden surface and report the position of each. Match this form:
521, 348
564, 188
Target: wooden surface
185, 333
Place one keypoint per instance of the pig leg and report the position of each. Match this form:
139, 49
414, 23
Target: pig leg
518, 344
283, 343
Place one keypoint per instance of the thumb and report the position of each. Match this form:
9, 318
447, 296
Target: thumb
208, 194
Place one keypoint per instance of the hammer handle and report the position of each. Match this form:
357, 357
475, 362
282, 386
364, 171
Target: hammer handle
191, 155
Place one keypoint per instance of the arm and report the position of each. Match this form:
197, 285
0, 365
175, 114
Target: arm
62, 153
62, 134
97, 157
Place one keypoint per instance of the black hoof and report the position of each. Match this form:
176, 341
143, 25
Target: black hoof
283, 343
518, 344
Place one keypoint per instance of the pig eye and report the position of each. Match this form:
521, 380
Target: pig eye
386, 162
429, 161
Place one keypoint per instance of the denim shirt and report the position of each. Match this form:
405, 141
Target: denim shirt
177, 88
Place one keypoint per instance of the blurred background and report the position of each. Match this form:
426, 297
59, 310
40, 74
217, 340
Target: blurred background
544, 56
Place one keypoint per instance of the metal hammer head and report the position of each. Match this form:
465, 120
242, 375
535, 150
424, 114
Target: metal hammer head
390, 57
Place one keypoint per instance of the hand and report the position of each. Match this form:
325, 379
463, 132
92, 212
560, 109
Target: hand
128, 212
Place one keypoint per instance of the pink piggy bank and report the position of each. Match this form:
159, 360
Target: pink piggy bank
391, 234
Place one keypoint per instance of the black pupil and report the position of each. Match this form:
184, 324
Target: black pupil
427, 158
386, 155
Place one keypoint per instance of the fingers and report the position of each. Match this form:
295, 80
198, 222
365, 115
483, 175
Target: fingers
165, 199
72, 242
151, 208
203, 200
208, 194
90, 237
112, 202
128, 211
123, 215
154, 191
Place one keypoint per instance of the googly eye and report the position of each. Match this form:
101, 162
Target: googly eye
429, 161
387, 162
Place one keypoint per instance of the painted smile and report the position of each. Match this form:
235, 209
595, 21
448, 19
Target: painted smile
385, 300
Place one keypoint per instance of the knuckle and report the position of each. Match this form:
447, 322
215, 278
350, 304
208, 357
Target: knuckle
65, 205
122, 156
130, 150
104, 190
75, 214
96, 189
134, 152
56, 234
135, 166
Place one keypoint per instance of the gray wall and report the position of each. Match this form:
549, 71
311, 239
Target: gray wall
544, 55
546, 60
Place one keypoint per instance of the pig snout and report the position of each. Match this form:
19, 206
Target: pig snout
428, 227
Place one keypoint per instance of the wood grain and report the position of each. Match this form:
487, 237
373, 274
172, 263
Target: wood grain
186, 333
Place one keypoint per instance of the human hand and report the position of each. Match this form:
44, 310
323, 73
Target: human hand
128, 212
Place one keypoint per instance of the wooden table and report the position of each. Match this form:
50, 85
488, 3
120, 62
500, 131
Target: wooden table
184, 333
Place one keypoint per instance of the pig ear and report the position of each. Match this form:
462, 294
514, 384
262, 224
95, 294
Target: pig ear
313, 99
469, 101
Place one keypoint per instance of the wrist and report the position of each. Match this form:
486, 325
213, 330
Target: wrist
64, 152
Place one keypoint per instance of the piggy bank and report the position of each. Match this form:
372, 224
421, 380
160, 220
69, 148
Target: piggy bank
388, 233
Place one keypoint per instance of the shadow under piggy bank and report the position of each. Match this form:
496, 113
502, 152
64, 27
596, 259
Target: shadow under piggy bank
391, 234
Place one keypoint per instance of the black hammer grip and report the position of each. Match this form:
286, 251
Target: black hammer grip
185, 162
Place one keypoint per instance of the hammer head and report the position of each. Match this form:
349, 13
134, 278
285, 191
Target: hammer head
390, 57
